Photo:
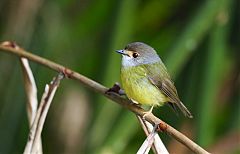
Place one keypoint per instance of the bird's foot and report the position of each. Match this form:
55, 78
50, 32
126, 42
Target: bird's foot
147, 112
116, 89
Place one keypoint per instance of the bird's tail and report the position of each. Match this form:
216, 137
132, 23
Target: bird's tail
184, 109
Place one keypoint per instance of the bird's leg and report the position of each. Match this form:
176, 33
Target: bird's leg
116, 89
148, 112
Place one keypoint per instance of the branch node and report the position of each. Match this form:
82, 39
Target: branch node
10, 44
162, 127
67, 73
56, 80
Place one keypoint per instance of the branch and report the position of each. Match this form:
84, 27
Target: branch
31, 93
31, 90
162, 126
37, 126
157, 145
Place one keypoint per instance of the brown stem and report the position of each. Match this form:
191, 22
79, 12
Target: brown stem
163, 127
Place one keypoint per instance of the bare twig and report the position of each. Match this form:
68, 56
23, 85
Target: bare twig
162, 126
36, 130
31, 92
158, 147
145, 147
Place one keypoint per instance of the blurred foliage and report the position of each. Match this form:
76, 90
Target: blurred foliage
199, 41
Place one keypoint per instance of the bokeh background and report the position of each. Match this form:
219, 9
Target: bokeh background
199, 41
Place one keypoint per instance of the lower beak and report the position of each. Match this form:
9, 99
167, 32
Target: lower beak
123, 52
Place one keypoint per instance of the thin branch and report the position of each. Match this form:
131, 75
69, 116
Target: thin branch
37, 126
44, 107
31, 90
31, 93
157, 145
146, 146
162, 126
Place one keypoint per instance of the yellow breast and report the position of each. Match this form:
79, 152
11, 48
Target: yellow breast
138, 88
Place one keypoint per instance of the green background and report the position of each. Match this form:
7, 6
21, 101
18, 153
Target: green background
199, 41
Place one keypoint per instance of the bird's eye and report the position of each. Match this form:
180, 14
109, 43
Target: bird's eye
135, 55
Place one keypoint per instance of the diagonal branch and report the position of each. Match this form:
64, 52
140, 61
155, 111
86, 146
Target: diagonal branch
162, 126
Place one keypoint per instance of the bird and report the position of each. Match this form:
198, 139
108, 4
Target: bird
146, 80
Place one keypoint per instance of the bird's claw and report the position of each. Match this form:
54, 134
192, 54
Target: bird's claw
115, 89
146, 113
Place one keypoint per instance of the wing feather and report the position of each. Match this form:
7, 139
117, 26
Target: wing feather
162, 81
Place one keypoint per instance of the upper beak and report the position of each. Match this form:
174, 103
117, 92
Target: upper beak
123, 52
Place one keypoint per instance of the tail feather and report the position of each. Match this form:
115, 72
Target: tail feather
173, 107
184, 110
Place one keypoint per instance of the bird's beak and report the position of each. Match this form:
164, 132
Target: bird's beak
123, 52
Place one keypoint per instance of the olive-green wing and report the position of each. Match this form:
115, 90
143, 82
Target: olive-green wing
166, 86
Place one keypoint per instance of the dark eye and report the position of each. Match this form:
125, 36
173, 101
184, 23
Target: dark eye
135, 55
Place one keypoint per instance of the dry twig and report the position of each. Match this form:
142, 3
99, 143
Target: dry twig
157, 145
36, 129
31, 92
